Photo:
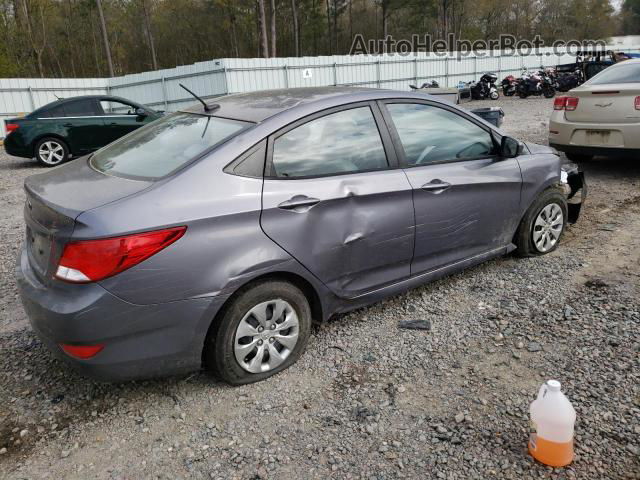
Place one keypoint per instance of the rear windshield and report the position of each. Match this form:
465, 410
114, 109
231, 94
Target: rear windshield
629, 73
165, 145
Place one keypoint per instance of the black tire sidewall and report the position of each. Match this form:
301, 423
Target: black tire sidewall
524, 237
219, 353
51, 139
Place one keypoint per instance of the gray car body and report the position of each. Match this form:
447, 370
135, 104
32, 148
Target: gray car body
354, 248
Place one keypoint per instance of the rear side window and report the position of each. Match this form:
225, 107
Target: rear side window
431, 134
165, 145
81, 108
624, 73
57, 111
343, 142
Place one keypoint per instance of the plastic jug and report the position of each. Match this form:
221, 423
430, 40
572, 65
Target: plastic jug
553, 419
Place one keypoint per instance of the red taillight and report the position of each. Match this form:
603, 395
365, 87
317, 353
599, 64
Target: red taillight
93, 260
572, 104
82, 352
559, 103
11, 127
565, 103
637, 103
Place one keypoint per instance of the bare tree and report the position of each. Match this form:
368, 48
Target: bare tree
38, 45
147, 27
296, 28
105, 38
273, 28
262, 25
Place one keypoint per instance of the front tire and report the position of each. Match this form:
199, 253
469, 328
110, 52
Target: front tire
51, 152
549, 92
542, 226
263, 331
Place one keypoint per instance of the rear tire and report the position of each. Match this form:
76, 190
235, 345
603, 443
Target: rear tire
546, 219
575, 157
51, 152
263, 331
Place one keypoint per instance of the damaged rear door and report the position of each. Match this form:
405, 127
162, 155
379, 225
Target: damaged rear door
335, 200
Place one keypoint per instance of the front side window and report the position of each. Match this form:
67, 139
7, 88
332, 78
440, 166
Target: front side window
163, 146
431, 134
624, 73
343, 142
112, 107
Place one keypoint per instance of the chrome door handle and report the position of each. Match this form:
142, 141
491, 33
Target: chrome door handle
299, 201
436, 186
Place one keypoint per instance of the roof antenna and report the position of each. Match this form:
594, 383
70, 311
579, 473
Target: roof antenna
207, 108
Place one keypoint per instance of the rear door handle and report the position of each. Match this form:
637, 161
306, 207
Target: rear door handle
436, 186
299, 202
67, 125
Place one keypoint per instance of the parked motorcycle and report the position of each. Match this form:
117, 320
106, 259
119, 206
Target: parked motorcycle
509, 85
431, 84
536, 84
485, 87
567, 81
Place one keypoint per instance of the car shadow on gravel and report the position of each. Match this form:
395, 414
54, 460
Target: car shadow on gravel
15, 163
625, 167
42, 397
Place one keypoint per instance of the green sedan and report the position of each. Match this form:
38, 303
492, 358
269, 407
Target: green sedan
73, 127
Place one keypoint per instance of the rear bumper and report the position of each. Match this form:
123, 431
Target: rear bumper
15, 148
598, 151
584, 138
140, 341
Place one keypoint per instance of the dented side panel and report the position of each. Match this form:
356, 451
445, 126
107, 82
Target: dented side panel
539, 172
358, 237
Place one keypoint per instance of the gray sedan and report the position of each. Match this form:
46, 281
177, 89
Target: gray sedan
215, 236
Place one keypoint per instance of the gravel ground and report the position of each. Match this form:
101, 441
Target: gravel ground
369, 400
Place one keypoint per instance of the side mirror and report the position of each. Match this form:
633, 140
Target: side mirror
141, 112
509, 147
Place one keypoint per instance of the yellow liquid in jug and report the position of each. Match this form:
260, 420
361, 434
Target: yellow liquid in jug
551, 453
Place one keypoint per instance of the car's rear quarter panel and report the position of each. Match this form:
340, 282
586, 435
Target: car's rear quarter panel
223, 248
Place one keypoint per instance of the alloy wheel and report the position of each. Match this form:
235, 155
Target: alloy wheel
548, 227
51, 153
266, 336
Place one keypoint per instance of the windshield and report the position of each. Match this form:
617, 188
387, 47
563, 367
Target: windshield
165, 145
621, 73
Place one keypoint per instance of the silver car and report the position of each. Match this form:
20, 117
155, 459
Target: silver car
600, 117
215, 236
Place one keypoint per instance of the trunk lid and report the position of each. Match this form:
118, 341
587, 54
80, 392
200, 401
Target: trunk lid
602, 104
53, 202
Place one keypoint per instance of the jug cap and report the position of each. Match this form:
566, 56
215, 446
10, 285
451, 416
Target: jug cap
553, 385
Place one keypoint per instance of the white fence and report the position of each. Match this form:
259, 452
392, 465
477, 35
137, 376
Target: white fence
160, 89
